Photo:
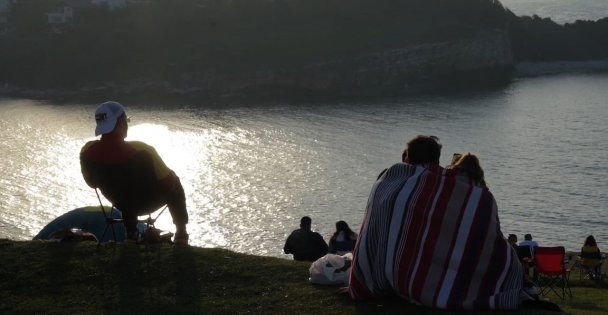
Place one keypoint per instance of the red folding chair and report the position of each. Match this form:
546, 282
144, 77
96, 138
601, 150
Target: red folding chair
552, 273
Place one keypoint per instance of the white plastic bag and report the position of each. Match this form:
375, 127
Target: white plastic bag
323, 270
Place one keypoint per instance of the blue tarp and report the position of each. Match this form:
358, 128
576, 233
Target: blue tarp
89, 219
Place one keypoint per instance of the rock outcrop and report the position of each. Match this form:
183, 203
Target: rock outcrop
479, 60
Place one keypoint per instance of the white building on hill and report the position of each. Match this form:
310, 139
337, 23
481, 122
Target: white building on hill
110, 4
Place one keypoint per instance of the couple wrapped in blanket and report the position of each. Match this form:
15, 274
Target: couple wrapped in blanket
431, 236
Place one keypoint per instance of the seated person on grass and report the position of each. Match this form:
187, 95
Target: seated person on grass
433, 238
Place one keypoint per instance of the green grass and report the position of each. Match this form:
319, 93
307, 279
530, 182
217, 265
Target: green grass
79, 278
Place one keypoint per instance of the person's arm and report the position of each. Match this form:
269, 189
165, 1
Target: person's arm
166, 177
288, 248
321, 245
332, 245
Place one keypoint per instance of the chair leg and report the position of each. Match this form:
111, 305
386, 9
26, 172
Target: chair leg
558, 285
113, 232
105, 230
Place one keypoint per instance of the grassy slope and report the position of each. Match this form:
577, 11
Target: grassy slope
52, 278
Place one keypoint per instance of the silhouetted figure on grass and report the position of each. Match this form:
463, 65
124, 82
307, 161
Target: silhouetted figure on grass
343, 240
304, 244
131, 174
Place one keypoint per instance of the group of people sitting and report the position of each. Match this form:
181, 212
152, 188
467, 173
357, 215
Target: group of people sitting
525, 249
590, 257
431, 235
306, 245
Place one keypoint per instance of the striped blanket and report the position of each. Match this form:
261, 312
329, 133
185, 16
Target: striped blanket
434, 239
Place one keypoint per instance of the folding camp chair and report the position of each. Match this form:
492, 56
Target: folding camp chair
551, 271
132, 182
149, 235
110, 220
591, 271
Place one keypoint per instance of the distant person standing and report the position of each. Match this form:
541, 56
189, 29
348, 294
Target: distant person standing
343, 240
304, 244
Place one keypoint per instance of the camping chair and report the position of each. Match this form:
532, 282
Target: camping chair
551, 271
109, 219
149, 235
132, 182
591, 271
112, 220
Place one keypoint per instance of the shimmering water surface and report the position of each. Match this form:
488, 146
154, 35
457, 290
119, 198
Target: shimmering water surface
560, 11
251, 172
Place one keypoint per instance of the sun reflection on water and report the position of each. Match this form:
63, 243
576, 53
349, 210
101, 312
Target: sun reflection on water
187, 154
250, 173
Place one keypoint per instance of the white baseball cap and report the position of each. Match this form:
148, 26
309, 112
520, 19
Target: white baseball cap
106, 116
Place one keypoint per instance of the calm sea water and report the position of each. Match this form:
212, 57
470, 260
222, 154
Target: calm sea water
560, 11
250, 173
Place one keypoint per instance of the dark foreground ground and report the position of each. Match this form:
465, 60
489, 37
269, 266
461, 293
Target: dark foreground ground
79, 278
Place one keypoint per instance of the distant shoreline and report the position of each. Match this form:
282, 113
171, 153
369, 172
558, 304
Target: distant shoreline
533, 69
521, 70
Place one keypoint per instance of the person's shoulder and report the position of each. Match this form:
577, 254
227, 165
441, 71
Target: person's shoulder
142, 147
88, 146
295, 232
485, 191
398, 169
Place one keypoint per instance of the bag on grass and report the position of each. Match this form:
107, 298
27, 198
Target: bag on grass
330, 269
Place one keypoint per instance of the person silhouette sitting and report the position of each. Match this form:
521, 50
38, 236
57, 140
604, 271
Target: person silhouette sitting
343, 240
591, 257
433, 238
131, 174
529, 242
304, 244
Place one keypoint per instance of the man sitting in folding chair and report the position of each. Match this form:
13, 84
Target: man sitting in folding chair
131, 174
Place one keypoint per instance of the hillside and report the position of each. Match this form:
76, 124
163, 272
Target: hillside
278, 48
61, 278
216, 48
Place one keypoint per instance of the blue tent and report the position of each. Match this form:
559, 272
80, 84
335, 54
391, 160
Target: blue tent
89, 219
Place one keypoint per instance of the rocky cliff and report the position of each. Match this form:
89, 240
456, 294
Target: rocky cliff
478, 60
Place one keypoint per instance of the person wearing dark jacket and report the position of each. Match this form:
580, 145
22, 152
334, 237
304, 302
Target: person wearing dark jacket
343, 240
304, 244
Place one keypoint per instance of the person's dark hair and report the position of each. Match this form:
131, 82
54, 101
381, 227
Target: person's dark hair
528, 237
422, 149
512, 238
305, 222
342, 226
590, 241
